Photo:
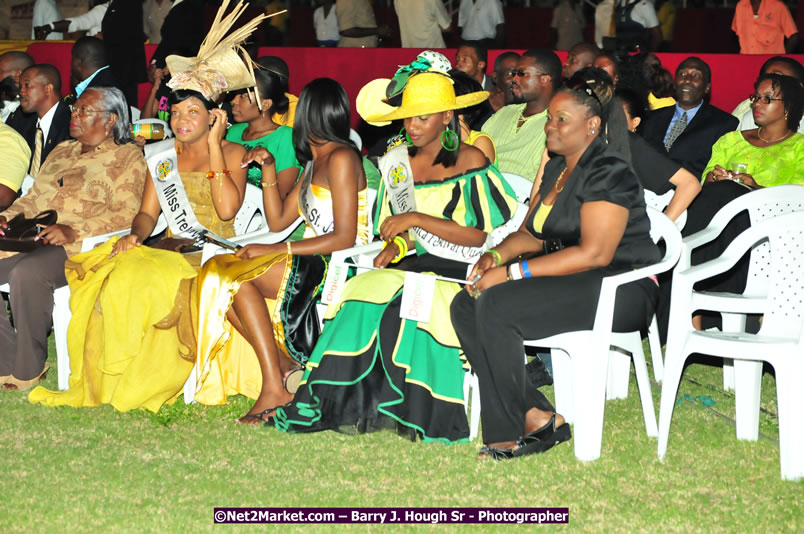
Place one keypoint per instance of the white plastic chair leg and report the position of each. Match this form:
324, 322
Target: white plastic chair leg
618, 375
656, 350
645, 392
748, 382
590, 402
732, 322
189, 386
563, 384
471, 395
61, 320
790, 400
673, 367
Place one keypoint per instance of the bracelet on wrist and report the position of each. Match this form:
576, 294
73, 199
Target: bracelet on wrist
497, 256
515, 271
269, 184
402, 245
219, 175
525, 269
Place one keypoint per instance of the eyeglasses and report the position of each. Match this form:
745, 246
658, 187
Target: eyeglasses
522, 73
82, 112
765, 99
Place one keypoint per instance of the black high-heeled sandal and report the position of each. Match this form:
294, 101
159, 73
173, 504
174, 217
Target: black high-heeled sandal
260, 417
538, 441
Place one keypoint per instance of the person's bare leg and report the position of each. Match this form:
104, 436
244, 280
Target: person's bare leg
254, 322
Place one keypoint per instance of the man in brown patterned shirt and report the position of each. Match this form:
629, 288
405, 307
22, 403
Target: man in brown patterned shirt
95, 184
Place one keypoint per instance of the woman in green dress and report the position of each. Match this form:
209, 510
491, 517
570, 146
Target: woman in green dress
370, 369
255, 129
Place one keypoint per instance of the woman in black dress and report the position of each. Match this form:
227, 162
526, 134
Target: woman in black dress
589, 214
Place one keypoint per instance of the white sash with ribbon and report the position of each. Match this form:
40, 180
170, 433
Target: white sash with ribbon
163, 163
398, 180
317, 213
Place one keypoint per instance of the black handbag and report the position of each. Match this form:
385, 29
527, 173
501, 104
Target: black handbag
20, 233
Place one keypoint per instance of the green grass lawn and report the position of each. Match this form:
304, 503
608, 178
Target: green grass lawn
97, 470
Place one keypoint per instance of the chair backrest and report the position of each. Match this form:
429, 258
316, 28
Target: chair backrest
250, 217
511, 226
521, 186
762, 204
784, 238
662, 228
660, 202
372, 199
27, 184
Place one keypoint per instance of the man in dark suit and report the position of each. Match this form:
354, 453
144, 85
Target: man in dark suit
182, 32
40, 90
90, 68
688, 130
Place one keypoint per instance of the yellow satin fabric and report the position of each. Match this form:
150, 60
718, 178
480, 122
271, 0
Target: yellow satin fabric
362, 213
118, 355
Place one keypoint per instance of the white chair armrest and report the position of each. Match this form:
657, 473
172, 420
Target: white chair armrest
93, 241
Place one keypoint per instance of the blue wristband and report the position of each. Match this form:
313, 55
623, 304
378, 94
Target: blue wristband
525, 269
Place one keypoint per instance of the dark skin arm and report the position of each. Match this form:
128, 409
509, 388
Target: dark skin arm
7, 197
342, 167
602, 226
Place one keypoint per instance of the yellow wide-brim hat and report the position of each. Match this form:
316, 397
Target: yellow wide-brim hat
427, 93
369, 102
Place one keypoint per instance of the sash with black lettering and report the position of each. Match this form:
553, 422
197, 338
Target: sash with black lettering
163, 163
317, 213
398, 180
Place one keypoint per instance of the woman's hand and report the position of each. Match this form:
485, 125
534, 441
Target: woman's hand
218, 128
489, 278
125, 243
746, 179
260, 155
486, 262
396, 224
719, 173
386, 255
57, 235
253, 251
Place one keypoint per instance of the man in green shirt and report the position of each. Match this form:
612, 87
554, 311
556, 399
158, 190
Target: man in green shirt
518, 129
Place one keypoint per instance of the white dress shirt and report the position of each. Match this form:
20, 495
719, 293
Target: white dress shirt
421, 22
46, 121
479, 19
44, 13
90, 21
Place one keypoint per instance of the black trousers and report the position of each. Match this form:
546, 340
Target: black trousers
32, 277
492, 330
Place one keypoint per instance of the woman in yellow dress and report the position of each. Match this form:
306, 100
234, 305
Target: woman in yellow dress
132, 336
266, 294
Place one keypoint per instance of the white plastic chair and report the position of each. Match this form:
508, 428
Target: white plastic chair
580, 365
780, 340
521, 186
760, 205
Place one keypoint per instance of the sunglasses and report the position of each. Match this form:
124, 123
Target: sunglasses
523, 73
765, 99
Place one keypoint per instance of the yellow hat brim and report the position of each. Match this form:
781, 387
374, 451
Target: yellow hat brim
428, 108
369, 102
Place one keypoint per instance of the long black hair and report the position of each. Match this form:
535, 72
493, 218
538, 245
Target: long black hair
473, 116
322, 115
594, 89
270, 86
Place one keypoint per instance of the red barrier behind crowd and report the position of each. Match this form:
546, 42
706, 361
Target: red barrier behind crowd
733, 75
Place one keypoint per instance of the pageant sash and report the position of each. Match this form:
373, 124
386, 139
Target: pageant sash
163, 163
317, 213
398, 180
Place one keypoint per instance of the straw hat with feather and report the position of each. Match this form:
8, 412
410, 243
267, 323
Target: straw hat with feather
222, 64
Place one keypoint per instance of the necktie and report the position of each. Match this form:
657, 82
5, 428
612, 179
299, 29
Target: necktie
36, 161
675, 131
